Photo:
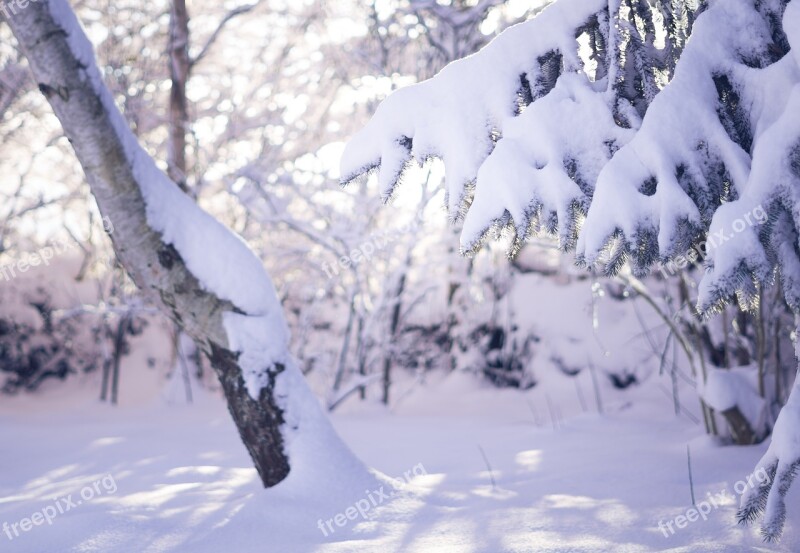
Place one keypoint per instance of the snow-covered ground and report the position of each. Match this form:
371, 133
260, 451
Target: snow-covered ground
483, 470
175, 478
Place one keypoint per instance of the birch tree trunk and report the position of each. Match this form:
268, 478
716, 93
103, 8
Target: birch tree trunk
60, 56
179, 66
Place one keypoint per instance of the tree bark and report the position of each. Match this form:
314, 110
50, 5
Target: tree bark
179, 67
65, 71
388, 355
741, 431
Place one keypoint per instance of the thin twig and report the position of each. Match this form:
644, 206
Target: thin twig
488, 466
691, 480
550, 408
581, 399
596, 388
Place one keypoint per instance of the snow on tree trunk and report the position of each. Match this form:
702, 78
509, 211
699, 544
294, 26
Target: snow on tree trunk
202, 275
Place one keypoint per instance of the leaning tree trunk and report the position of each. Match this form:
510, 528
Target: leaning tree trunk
63, 65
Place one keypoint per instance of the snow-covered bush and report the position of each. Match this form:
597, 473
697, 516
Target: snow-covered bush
39, 341
35, 346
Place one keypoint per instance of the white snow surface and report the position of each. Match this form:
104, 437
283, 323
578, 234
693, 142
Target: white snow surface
567, 480
185, 484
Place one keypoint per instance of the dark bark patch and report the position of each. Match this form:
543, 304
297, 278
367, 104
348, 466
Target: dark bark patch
50, 91
168, 257
259, 422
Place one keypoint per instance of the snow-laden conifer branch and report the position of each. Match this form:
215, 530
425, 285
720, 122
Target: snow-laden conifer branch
460, 114
660, 142
525, 126
677, 180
